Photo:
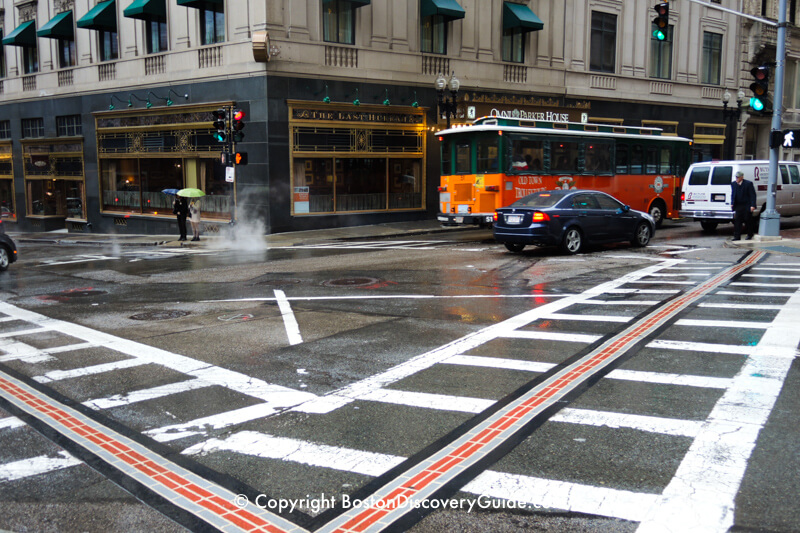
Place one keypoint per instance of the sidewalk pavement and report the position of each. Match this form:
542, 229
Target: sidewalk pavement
375, 231
787, 243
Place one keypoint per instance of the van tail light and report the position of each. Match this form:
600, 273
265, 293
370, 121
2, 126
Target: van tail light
443, 189
495, 216
683, 197
538, 216
492, 188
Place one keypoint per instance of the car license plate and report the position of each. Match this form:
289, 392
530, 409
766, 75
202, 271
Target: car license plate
718, 197
514, 219
442, 219
459, 220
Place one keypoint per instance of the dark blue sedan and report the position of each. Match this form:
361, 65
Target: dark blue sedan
570, 219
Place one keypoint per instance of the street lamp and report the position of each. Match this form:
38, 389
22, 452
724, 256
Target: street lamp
445, 105
732, 115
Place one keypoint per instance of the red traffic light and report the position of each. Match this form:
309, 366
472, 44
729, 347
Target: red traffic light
238, 114
760, 73
662, 9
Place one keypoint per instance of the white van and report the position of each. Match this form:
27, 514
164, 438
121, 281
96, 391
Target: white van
706, 192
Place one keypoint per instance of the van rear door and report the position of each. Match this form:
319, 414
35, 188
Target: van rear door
788, 195
707, 190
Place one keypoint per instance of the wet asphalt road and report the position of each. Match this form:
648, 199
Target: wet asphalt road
314, 319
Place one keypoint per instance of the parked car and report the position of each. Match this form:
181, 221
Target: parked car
8, 250
570, 219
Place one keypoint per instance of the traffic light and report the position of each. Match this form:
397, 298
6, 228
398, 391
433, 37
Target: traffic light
220, 119
240, 158
238, 125
661, 21
760, 87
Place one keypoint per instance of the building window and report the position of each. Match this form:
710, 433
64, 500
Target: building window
32, 128
338, 22
30, 59
603, 42
434, 34
212, 26
791, 96
661, 55
69, 126
66, 53
514, 45
5, 129
108, 44
156, 36
712, 58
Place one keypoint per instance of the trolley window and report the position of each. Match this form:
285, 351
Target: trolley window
598, 157
463, 159
488, 156
564, 156
526, 155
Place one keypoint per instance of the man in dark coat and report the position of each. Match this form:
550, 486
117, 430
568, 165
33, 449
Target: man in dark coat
181, 209
743, 204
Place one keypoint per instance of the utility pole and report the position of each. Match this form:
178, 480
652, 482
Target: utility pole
769, 224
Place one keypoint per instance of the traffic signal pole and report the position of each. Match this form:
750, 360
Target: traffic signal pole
769, 224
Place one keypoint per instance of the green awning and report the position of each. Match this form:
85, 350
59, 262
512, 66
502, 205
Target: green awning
213, 5
449, 9
356, 3
520, 16
23, 35
101, 17
147, 10
59, 27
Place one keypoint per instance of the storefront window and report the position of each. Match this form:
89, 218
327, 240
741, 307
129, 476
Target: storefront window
7, 199
55, 197
135, 185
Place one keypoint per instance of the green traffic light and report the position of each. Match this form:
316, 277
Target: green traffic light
220, 136
659, 35
757, 104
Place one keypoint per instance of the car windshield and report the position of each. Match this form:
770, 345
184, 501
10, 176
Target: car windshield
538, 199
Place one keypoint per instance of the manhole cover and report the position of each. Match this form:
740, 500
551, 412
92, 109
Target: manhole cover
351, 282
159, 315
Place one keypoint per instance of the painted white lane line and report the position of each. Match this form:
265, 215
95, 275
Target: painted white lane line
28, 354
22, 332
764, 307
550, 336
392, 297
665, 282
553, 494
275, 396
143, 395
721, 324
785, 276
58, 375
587, 318
426, 400
347, 394
201, 426
701, 495
680, 275
676, 252
289, 321
647, 303
11, 422
773, 285
622, 374
743, 293
643, 291
701, 347
36, 465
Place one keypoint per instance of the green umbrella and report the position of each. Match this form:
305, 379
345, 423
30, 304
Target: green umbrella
191, 193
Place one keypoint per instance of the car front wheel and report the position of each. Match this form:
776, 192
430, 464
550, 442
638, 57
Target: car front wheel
516, 248
3, 258
642, 235
572, 241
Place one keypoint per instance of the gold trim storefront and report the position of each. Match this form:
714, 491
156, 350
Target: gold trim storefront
356, 159
8, 211
142, 154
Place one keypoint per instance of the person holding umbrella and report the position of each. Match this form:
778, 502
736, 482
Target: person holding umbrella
194, 209
181, 209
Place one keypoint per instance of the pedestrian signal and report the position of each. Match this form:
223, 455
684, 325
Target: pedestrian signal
240, 158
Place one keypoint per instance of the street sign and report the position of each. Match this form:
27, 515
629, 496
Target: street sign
229, 174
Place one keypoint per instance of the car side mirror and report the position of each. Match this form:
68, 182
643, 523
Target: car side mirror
623, 209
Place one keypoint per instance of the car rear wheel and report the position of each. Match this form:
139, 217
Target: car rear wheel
709, 226
3, 258
572, 241
642, 235
516, 248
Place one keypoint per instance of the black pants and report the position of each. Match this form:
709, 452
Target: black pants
742, 214
182, 226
